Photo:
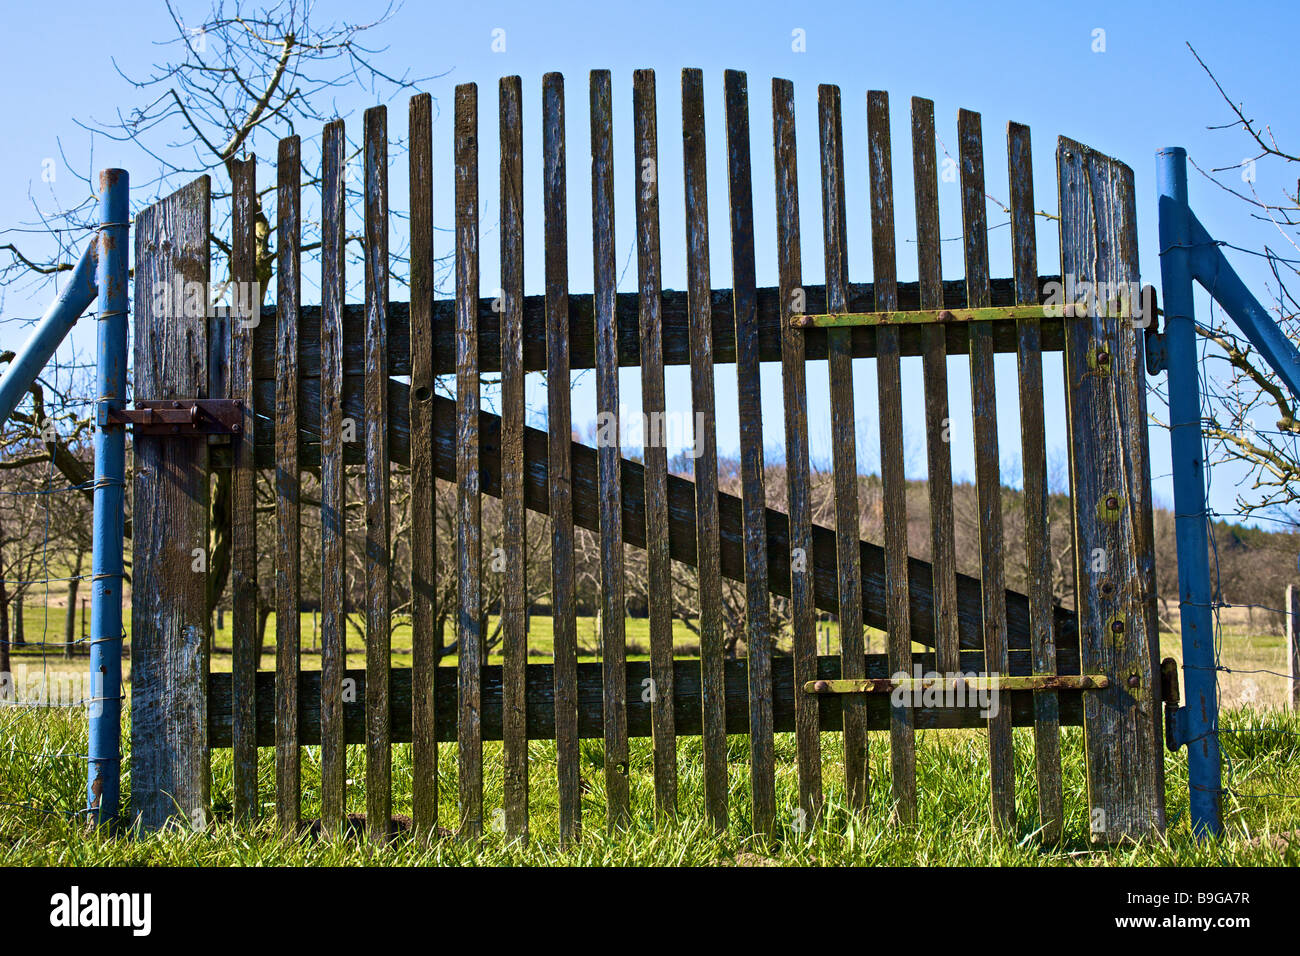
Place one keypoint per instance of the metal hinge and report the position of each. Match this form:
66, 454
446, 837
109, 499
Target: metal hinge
1175, 716
1155, 346
182, 417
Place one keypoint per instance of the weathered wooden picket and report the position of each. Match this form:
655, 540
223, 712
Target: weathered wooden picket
302, 370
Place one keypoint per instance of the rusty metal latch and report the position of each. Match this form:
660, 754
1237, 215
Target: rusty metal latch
182, 417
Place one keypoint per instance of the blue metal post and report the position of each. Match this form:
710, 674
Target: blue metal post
54, 325
105, 718
1201, 709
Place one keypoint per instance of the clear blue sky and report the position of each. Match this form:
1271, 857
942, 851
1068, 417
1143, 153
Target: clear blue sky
1029, 62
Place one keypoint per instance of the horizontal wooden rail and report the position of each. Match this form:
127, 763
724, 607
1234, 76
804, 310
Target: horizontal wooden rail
681, 511
540, 694
676, 344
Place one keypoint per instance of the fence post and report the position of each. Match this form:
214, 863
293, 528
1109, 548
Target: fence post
170, 620
104, 758
1191, 523
1109, 485
1293, 643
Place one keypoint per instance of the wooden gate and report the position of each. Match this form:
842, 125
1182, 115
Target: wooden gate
306, 375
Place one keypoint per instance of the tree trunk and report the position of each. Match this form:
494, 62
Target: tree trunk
4, 617
263, 615
440, 632
219, 562
70, 620
19, 635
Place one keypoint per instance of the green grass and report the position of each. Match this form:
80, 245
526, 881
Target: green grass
41, 626
39, 794
952, 770
686, 643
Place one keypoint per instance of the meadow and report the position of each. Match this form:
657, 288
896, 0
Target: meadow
42, 784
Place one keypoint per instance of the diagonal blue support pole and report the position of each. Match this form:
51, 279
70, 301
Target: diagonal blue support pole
1211, 268
53, 327
103, 777
1200, 713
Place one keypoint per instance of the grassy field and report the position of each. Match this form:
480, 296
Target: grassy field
41, 628
952, 781
41, 782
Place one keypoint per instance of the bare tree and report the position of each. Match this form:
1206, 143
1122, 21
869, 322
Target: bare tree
225, 86
1249, 416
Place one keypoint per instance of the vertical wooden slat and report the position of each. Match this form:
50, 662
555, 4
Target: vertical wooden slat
1047, 742
514, 593
758, 632
803, 621
424, 574
658, 561
246, 308
902, 738
469, 525
1109, 485
559, 465
378, 596
608, 454
170, 760
943, 547
707, 544
288, 534
333, 481
988, 477
844, 442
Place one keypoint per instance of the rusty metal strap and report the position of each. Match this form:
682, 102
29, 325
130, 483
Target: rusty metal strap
934, 316
885, 685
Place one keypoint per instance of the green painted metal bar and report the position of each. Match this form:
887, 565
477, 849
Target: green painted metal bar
886, 685
932, 316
